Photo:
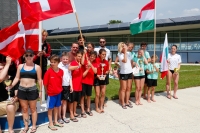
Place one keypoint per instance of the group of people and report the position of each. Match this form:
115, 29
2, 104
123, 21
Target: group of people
70, 79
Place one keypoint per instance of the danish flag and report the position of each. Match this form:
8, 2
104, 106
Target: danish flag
38, 10
15, 39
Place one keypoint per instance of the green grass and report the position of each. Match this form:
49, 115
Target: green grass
189, 77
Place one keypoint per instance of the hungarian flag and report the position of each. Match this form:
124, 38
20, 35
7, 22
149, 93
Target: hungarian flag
164, 64
145, 20
12, 40
38, 10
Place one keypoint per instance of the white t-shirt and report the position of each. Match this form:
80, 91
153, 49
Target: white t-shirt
174, 60
125, 68
108, 55
67, 74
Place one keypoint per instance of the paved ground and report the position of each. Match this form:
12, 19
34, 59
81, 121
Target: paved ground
166, 116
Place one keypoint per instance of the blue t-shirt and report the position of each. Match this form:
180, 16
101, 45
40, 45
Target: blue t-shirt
150, 67
140, 63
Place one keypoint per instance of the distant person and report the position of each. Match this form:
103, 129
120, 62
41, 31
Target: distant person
74, 50
81, 42
45, 53
152, 70
126, 76
143, 46
139, 78
174, 61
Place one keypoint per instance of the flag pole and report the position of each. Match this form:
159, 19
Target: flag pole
40, 49
79, 28
155, 32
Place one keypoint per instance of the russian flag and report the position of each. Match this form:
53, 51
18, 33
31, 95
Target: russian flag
164, 58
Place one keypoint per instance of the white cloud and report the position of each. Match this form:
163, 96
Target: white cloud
191, 12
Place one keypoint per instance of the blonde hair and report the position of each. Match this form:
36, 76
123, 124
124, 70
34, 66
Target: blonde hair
44, 32
120, 46
156, 57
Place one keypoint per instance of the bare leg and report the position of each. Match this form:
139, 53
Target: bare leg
137, 87
24, 105
56, 115
152, 94
82, 104
168, 82
140, 89
64, 108
10, 109
71, 110
145, 91
102, 98
33, 104
123, 90
74, 108
128, 91
149, 92
88, 103
50, 117
176, 79
97, 95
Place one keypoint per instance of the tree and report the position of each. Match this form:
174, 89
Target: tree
115, 21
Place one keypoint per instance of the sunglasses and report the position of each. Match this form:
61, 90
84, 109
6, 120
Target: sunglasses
75, 47
102, 42
29, 55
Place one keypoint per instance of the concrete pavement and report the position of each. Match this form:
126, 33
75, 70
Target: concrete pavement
167, 116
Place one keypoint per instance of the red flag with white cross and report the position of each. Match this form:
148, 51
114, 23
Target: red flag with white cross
38, 10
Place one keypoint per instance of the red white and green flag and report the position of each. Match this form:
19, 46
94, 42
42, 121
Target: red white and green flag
145, 20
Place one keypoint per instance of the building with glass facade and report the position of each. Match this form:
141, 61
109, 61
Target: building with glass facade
182, 31
8, 13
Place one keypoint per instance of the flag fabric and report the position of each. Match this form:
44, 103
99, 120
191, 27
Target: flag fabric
145, 20
12, 40
32, 36
38, 10
164, 64
15, 39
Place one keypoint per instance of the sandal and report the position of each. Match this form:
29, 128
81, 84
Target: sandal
25, 130
83, 115
52, 128
129, 105
89, 113
33, 130
58, 125
124, 106
175, 97
77, 116
74, 119
60, 121
65, 120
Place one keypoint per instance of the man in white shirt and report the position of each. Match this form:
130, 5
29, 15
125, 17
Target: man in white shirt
102, 43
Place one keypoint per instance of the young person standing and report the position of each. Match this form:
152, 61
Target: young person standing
67, 87
89, 70
100, 80
126, 76
76, 70
152, 70
53, 85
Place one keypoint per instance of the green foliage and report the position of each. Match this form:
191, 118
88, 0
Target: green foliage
115, 21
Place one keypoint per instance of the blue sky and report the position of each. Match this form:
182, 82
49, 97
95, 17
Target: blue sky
97, 12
